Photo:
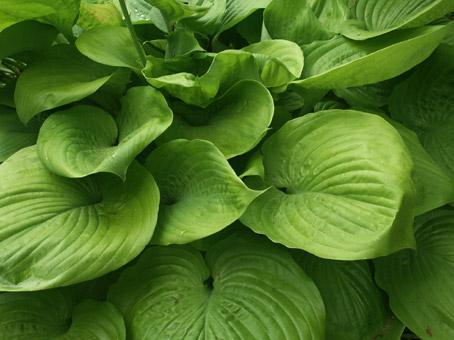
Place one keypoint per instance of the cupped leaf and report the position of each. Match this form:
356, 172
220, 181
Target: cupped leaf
244, 288
233, 123
227, 68
351, 298
280, 61
210, 21
434, 186
26, 36
14, 135
342, 63
60, 13
182, 43
57, 231
110, 45
294, 21
342, 187
50, 315
238, 10
84, 140
175, 10
368, 18
200, 192
425, 103
60, 76
419, 283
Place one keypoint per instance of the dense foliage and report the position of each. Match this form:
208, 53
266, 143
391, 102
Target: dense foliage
226, 169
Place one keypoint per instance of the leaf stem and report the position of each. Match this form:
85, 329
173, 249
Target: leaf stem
128, 22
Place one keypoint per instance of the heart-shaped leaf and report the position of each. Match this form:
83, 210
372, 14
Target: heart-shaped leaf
200, 192
244, 288
233, 123
57, 231
83, 139
342, 187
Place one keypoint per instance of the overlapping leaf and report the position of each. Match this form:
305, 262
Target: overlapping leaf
200, 192
257, 292
342, 187
56, 231
85, 140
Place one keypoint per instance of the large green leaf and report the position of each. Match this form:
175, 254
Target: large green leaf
200, 192
434, 186
238, 10
56, 231
257, 292
227, 68
98, 14
60, 76
280, 61
14, 135
233, 123
60, 13
182, 43
419, 283
351, 298
370, 18
294, 21
50, 315
110, 45
26, 36
210, 21
342, 187
425, 103
342, 63
84, 140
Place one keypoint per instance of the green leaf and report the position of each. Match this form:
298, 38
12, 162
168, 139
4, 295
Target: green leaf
60, 76
355, 307
56, 231
434, 187
110, 45
294, 21
175, 10
14, 135
370, 18
419, 283
227, 68
342, 187
280, 61
233, 122
211, 20
257, 292
26, 36
141, 12
342, 63
50, 315
424, 103
182, 43
238, 10
98, 14
367, 96
200, 192
60, 13
83, 139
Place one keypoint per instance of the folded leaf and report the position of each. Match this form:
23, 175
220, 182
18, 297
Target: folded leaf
83, 139
351, 298
174, 10
227, 68
342, 187
419, 283
233, 123
238, 10
424, 103
50, 315
60, 76
200, 192
56, 231
342, 63
257, 292
110, 45
280, 61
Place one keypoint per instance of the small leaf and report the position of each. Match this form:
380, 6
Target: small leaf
57, 231
233, 122
244, 288
200, 192
342, 187
83, 140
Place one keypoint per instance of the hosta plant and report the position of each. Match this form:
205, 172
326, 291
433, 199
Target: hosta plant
226, 169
